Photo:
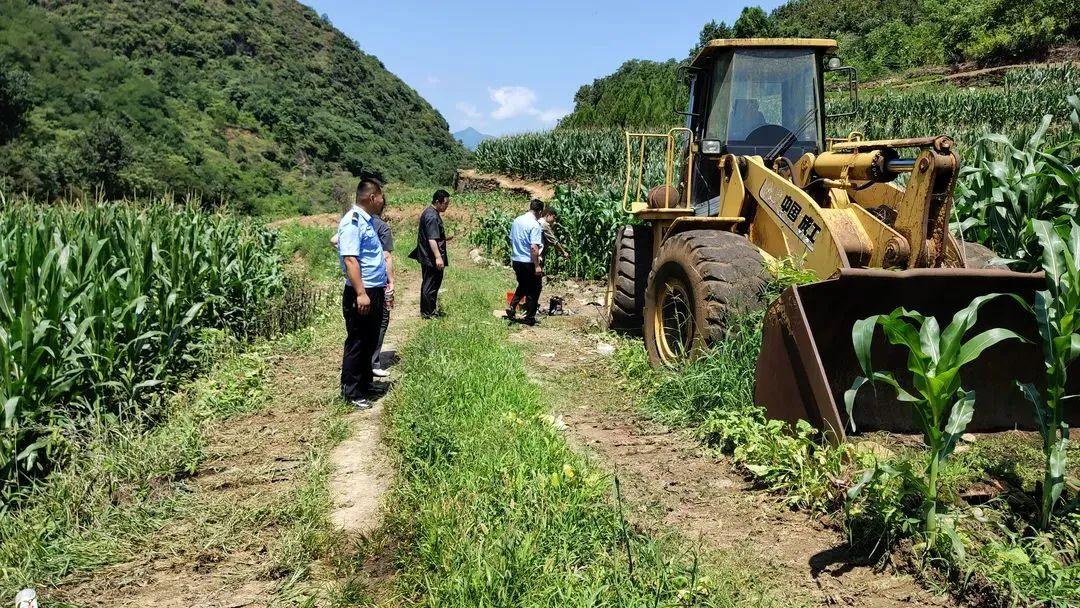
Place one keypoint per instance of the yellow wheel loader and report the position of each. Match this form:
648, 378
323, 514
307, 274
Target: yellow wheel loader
751, 179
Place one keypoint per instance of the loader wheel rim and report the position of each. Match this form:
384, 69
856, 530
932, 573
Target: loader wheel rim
674, 322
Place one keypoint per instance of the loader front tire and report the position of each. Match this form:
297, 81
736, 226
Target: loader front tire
627, 278
700, 281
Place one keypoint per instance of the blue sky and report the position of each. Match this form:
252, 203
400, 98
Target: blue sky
506, 67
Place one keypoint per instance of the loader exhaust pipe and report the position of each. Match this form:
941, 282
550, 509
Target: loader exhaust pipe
807, 360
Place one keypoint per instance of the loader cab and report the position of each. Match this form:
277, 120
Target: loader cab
748, 95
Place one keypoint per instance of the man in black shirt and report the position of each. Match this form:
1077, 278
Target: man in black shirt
386, 237
431, 252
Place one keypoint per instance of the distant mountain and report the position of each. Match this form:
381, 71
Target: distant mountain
471, 138
260, 103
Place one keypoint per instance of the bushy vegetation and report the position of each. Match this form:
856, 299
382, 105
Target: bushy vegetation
878, 38
1013, 107
640, 92
76, 521
587, 156
262, 104
493, 508
101, 305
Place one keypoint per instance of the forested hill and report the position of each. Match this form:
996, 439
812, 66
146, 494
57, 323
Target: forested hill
261, 103
879, 37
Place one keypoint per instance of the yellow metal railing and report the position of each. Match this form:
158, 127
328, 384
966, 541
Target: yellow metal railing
669, 166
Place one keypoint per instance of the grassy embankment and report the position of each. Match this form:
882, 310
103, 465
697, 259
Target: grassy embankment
492, 508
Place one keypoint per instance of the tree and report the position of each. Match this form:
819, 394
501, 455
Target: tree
14, 101
106, 153
710, 31
753, 23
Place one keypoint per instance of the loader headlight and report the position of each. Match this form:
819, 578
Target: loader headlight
710, 146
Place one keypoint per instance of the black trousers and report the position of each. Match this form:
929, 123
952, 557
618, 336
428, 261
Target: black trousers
529, 285
429, 289
376, 357
361, 335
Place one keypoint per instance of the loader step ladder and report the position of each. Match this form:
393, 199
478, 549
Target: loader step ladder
635, 163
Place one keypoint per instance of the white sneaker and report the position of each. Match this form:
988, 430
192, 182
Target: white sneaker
380, 373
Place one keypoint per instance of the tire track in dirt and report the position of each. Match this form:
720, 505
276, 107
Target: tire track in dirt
675, 485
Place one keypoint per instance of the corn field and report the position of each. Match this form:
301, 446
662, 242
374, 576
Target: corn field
101, 305
966, 114
597, 156
592, 156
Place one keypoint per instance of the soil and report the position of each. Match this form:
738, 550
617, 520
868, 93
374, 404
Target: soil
677, 486
470, 180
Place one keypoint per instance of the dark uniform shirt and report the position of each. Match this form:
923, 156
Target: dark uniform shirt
383, 230
431, 228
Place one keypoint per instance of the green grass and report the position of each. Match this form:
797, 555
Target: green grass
492, 508
310, 247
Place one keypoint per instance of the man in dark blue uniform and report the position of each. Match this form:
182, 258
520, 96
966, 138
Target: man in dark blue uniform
364, 295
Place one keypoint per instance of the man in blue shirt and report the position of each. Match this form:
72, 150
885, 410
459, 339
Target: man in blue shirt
364, 296
526, 244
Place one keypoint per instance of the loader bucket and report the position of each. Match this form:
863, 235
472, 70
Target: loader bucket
807, 360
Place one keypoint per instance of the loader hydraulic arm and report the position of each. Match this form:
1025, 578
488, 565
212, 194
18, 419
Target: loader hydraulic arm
919, 213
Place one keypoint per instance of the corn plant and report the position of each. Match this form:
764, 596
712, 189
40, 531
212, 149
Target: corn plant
1013, 182
101, 305
941, 406
1057, 315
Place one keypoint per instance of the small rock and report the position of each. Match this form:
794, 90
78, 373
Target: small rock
548, 355
605, 349
968, 437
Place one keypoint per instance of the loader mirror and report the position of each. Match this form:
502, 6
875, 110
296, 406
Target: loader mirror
851, 83
687, 75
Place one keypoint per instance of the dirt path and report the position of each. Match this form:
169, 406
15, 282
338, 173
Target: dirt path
679, 487
362, 467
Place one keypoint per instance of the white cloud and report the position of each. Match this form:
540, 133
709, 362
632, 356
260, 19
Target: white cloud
434, 80
514, 101
469, 110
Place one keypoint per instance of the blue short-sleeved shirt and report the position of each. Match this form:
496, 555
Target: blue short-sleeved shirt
524, 233
357, 238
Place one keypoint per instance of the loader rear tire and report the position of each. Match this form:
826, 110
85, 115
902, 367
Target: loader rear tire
627, 278
701, 280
